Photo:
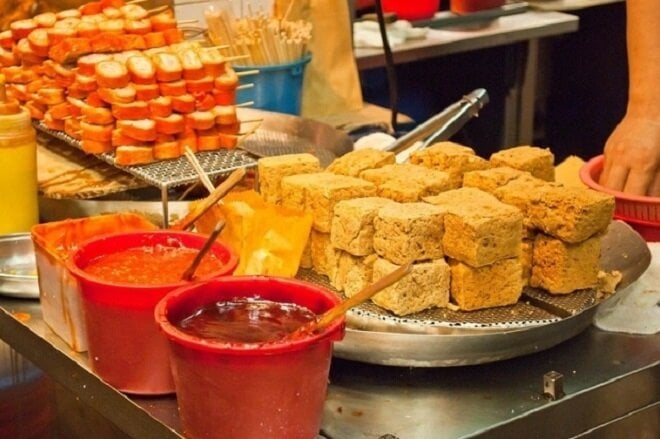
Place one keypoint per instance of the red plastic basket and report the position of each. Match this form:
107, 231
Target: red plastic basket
642, 213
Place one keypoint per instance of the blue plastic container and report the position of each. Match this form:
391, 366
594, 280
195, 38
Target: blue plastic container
276, 87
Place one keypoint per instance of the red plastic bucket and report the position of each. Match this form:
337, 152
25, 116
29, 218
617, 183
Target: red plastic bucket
124, 345
249, 390
412, 10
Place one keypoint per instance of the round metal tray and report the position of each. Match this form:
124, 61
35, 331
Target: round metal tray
454, 338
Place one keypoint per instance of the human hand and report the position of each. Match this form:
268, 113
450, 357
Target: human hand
632, 157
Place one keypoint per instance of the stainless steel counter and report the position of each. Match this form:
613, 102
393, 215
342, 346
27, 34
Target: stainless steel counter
612, 382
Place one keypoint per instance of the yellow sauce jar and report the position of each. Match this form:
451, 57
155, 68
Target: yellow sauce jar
18, 170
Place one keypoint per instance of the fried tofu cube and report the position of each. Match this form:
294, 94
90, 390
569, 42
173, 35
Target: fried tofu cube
273, 169
452, 158
540, 162
479, 229
561, 268
410, 231
426, 286
407, 183
352, 227
497, 284
354, 162
353, 273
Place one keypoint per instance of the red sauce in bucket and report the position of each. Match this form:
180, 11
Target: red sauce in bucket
151, 265
245, 321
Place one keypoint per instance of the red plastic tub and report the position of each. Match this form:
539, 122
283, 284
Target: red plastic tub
249, 390
124, 345
412, 10
642, 213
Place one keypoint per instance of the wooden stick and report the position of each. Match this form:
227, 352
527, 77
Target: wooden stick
245, 104
220, 47
157, 10
245, 86
135, 2
203, 176
247, 72
210, 201
188, 21
236, 58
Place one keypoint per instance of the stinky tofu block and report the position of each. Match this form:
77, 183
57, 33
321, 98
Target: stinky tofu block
354, 162
560, 267
522, 193
410, 231
352, 228
571, 214
479, 229
324, 256
324, 194
488, 180
294, 188
273, 169
452, 158
526, 257
426, 286
493, 285
353, 273
406, 183
540, 162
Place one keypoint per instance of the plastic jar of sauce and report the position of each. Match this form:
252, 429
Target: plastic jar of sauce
18, 161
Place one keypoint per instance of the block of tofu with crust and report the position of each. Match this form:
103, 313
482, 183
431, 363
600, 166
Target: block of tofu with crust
479, 229
561, 268
409, 232
571, 214
273, 169
353, 273
323, 192
521, 193
452, 158
354, 162
407, 183
526, 255
352, 227
325, 257
540, 162
497, 284
425, 287
488, 180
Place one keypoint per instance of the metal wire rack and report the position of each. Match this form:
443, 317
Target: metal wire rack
167, 174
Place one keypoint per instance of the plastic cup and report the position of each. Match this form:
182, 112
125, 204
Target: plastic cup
239, 390
125, 347
277, 87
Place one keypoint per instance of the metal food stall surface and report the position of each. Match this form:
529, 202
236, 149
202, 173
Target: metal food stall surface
611, 383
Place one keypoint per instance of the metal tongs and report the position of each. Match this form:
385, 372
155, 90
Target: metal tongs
441, 126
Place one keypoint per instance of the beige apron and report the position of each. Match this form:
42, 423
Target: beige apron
331, 83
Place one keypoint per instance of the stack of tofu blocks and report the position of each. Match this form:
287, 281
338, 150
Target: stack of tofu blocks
476, 230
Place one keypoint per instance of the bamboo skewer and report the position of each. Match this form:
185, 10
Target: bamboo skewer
188, 21
247, 73
203, 176
157, 10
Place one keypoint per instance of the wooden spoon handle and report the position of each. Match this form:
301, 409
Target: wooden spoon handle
364, 295
210, 201
190, 272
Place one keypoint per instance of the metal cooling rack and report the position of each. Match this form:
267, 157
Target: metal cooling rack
166, 174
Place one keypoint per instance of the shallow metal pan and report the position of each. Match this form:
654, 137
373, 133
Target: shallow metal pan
18, 267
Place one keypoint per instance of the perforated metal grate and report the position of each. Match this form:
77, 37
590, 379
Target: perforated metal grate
171, 173
535, 308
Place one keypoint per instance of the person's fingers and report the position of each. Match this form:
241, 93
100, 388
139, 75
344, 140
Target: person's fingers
638, 182
616, 177
605, 174
654, 188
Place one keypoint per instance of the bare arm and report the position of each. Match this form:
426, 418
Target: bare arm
632, 153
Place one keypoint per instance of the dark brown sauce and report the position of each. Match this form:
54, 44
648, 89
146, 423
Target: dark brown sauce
245, 321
